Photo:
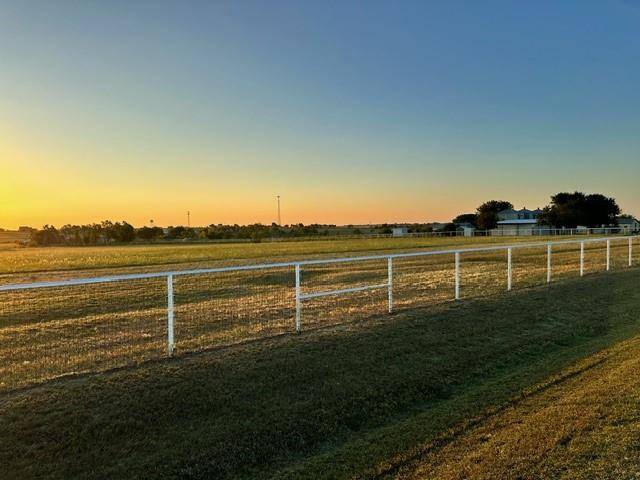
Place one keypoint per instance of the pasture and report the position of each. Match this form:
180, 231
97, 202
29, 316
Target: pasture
51, 332
368, 399
38, 263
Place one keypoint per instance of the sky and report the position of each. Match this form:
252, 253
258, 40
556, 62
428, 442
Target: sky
351, 111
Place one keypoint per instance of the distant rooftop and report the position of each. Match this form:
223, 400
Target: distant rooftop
520, 221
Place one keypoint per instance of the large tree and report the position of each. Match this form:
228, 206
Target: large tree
471, 218
571, 210
487, 216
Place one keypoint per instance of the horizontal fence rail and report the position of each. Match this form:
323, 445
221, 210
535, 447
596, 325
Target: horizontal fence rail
55, 328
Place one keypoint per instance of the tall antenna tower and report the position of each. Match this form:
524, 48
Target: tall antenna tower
279, 219
188, 219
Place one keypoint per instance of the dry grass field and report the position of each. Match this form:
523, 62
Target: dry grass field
8, 238
47, 333
39, 263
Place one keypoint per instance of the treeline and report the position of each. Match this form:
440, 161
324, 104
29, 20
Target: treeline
575, 209
566, 210
387, 228
108, 232
92, 234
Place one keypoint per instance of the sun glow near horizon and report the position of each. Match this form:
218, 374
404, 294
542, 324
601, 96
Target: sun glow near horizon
211, 110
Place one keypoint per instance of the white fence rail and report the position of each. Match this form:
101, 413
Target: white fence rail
36, 346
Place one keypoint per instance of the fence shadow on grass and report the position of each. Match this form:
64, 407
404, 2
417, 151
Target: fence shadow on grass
267, 406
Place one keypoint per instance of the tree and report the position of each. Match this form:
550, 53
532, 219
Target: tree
124, 232
601, 210
149, 233
487, 216
49, 235
450, 227
571, 210
471, 218
181, 233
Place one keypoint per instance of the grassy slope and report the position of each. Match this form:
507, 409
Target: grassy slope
14, 259
356, 401
587, 426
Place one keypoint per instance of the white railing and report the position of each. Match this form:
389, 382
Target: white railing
302, 297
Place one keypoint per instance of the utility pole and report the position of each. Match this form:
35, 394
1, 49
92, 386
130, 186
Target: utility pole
279, 219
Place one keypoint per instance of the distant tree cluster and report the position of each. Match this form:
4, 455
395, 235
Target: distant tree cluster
571, 210
568, 210
108, 232
258, 232
93, 234
486, 216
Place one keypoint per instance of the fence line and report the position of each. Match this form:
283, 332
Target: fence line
264, 266
230, 287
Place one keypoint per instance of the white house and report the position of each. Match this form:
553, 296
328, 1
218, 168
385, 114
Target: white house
466, 229
517, 222
629, 224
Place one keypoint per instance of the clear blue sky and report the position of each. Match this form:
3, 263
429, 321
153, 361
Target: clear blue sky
352, 111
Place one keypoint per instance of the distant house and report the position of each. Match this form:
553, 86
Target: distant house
629, 224
523, 214
465, 229
399, 231
518, 222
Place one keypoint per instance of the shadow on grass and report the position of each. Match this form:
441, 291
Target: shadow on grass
334, 403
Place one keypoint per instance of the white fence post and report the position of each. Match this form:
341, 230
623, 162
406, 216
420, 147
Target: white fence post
582, 259
390, 282
549, 263
457, 275
170, 322
298, 300
631, 251
509, 269
608, 255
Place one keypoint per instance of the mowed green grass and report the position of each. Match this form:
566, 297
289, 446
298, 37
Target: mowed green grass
579, 425
361, 400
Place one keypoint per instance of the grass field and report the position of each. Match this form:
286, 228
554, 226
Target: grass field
581, 424
20, 263
47, 333
11, 237
390, 397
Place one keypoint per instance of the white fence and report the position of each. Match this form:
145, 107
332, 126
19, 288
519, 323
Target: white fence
45, 333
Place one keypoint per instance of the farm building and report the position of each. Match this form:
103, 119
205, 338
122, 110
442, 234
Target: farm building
518, 222
517, 227
523, 214
629, 224
399, 231
465, 229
